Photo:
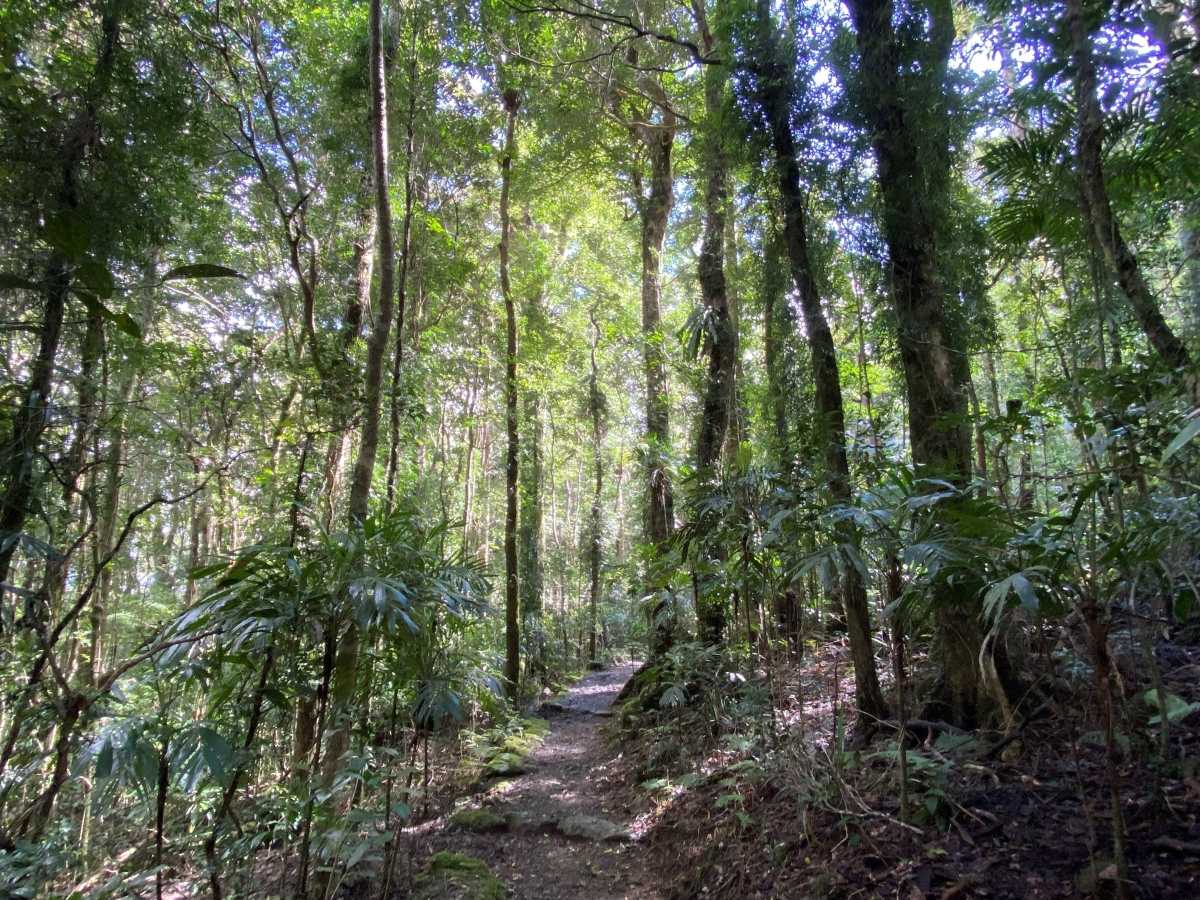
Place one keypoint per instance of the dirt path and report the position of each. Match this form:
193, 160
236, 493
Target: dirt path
566, 833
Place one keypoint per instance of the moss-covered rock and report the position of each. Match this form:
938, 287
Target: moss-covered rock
592, 828
505, 751
477, 820
456, 876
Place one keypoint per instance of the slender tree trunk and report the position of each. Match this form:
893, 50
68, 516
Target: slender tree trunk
655, 206
531, 574
346, 664
406, 251
778, 331
20, 449
512, 599
73, 468
1097, 208
106, 525
775, 99
717, 404
596, 404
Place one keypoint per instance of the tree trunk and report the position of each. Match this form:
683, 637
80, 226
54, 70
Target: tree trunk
913, 171
720, 337
655, 207
778, 330
339, 438
531, 574
596, 404
512, 600
776, 102
406, 251
346, 664
19, 451
1097, 209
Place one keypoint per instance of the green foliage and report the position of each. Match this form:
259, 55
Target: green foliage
501, 749
456, 874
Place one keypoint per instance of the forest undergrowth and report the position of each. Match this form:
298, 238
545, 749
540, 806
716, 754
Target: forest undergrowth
759, 791
374, 375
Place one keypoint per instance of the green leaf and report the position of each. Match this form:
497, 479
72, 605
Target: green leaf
69, 233
96, 278
201, 270
1025, 591
123, 321
8, 281
104, 760
1189, 431
673, 696
1177, 707
218, 752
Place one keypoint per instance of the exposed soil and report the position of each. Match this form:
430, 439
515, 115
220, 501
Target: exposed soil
572, 784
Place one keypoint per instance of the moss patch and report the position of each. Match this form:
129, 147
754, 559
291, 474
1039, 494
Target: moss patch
502, 750
477, 820
458, 877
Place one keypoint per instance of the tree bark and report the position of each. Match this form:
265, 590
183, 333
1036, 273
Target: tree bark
596, 411
531, 574
346, 663
775, 98
512, 599
898, 71
1097, 208
655, 207
778, 331
406, 252
717, 405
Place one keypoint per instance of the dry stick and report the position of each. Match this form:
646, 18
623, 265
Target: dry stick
1098, 638
37, 669
394, 850
160, 815
322, 704
387, 821
901, 714
1160, 693
210, 845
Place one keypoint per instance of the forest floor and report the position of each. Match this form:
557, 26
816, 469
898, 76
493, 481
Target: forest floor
786, 815
663, 807
562, 827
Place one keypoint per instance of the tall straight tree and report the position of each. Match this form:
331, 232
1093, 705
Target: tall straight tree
775, 97
532, 571
1097, 206
720, 344
654, 202
512, 598
19, 452
345, 679
906, 102
596, 406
